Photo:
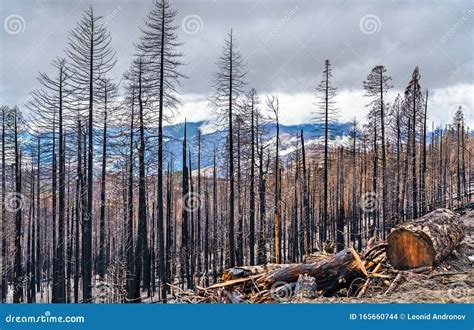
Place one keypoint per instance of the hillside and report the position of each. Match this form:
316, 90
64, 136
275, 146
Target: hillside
212, 137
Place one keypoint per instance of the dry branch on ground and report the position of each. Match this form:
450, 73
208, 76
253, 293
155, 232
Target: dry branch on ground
350, 275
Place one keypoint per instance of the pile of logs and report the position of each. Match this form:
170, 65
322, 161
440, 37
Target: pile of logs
415, 246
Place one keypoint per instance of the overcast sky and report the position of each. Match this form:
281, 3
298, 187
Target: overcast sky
284, 45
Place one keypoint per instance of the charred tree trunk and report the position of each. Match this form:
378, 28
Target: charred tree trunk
199, 202
277, 206
101, 262
306, 209
384, 157
141, 264
262, 253
231, 162
38, 259
129, 245
160, 223
61, 284
78, 211
423, 161
4, 213
413, 157
240, 224
191, 204
18, 206
340, 216
326, 155
185, 273
214, 214
252, 188
206, 236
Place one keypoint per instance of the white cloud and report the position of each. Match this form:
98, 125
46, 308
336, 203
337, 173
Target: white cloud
300, 107
444, 102
194, 108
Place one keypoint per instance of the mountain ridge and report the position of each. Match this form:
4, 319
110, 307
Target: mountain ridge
211, 139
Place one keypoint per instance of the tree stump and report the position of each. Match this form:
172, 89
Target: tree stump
425, 241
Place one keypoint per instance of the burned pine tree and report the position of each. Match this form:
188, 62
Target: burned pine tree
159, 44
139, 85
90, 57
227, 85
185, 240
78, 212
251, 104
396, 130
56, 94
376, 87
326, 114
6, 137
197, 208
129, 227
413, 99
107, 93
17, 207
423, 165
458, 123
273, 106
262, 186
354, 227
215, 239
306, 205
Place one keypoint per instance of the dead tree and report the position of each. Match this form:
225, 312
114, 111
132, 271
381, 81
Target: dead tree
5, 124
185, 241
306, 206
273, 105
327, 114
423, 159
412, 103
160, 44
17, 204
376, 86
91, 57
108, 93
227, 86
253, 102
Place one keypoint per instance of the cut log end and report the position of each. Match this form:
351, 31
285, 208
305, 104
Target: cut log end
426, 241
407, 250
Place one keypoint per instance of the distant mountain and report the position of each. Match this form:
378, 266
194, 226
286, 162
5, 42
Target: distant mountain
212, 138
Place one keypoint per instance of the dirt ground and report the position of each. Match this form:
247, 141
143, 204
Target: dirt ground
450, 282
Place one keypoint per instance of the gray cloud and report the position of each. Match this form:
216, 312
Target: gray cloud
284, 43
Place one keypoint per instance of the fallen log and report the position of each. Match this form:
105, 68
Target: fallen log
246, 271
233, 282
315, 257
426, 241
331, 274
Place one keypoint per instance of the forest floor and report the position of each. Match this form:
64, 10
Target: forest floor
450, 282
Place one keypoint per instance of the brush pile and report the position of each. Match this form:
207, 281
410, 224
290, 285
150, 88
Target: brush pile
377, 271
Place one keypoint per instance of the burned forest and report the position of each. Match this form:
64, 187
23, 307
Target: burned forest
107, 198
